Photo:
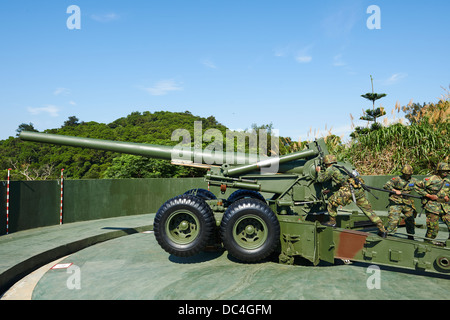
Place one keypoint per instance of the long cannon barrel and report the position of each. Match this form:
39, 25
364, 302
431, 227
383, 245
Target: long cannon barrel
233, 163
154, 151
182, 155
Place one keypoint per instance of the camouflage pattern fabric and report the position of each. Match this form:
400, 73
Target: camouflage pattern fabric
433, 223
435, 209
403, 185
395, 212
344, 195
438, 186
332, 173
400, 204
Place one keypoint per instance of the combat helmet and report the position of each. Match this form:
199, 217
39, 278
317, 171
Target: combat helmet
443, 166
329, 159
407, 169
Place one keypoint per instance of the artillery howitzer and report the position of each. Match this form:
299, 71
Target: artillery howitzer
252, 227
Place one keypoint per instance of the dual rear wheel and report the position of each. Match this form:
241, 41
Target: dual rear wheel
249, 229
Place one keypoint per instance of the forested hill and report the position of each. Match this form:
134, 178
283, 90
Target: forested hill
43, 161
377, 150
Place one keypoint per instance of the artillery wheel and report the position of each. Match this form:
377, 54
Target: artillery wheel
202, 194
242, 193
183, 225
250, 231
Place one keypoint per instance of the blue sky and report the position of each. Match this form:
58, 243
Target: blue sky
300, 65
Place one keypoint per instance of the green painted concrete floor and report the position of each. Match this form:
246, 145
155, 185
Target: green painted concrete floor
133, 266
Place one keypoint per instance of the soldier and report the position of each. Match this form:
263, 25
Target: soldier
349, 190
399, 204
437, 191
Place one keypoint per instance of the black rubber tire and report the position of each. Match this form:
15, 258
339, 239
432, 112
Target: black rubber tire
258, 216
242, 194
202, 194
181, 211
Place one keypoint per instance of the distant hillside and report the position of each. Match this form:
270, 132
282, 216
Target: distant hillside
422, 143
35, 161
42, 161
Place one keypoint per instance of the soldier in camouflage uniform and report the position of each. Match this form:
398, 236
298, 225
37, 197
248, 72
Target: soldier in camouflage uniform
399, 204
437, 191
349, 190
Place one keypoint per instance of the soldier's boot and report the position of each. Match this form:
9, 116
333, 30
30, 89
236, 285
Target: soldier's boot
381, 230
330, 223
410, 234
382, 234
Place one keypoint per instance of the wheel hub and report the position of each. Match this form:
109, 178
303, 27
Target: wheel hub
249, 230
184, 225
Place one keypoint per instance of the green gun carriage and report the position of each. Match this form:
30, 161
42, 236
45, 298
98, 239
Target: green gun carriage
252, 227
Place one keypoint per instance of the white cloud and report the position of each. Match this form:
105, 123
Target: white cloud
163, 87
208, 63
303, 58
341, 18
72, 103
300, 55
59, 91
303, 55
281, 52
396, 77
105, 17
50, 109
337, 61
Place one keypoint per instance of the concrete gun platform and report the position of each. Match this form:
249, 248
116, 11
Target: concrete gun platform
23, 252
119, 258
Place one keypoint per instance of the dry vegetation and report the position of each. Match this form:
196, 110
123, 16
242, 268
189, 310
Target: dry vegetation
422, 140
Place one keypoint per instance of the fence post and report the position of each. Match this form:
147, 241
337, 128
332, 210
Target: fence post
62, 192
7, 202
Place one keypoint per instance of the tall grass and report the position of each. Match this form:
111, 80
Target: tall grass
386, 150
422, 144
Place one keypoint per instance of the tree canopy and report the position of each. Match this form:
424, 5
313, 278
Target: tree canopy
34, 161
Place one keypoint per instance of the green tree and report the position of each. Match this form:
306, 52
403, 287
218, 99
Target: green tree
36, 161
72, 121
25, 127
371, 115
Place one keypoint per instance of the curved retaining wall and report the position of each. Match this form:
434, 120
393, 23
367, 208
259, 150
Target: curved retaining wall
35, 204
